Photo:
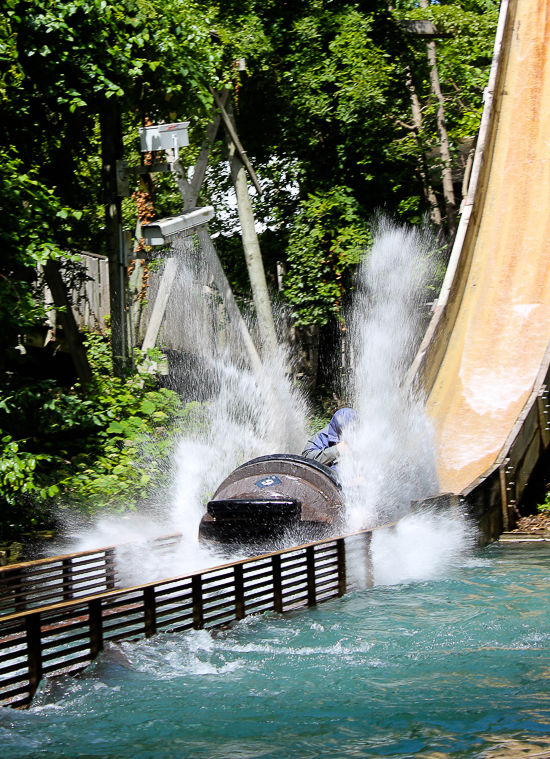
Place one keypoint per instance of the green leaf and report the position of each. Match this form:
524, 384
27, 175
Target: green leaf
147, 407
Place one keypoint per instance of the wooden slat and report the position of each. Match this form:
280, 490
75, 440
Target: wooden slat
226, 616
172, 614
208, 599
53, 559
332, 572
128, 622
167, 621
14, 692
53, 655
13, 655
180, 589
264, 592
15, 680
68, 666
8, 642
263, 603
59, 592
63, 641
166, 601
62, 628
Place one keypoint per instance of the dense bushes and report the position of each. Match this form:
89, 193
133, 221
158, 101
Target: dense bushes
81, 449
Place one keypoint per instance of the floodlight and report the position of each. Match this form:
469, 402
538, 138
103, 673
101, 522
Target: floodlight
164, 137
158, 232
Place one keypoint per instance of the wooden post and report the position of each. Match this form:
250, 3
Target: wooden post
251, 247
196, 589
149, 611
67, 578
239, 592
20, 597
341, 559
34, 651
110, 554
67, 321
311, 590
96, 627
369, 574
504, 498
277, 584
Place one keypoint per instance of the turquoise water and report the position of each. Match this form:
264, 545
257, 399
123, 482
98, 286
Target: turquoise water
456, 667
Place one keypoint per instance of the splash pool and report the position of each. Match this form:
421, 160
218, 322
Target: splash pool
454, 667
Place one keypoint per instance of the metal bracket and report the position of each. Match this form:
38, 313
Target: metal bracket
123, 172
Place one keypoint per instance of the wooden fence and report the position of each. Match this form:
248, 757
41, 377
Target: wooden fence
65, 637
62, 578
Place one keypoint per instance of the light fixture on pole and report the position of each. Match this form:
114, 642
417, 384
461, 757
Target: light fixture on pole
159, 232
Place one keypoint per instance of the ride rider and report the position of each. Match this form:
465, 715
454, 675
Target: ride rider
327, 446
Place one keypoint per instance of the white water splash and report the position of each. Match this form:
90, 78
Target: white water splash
243, 414
391, 456
422, 546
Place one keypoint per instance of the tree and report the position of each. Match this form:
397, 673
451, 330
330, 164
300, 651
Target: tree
74, 72
325, 102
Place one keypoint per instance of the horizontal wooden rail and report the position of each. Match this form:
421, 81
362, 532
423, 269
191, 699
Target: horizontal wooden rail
65, 637
34, 584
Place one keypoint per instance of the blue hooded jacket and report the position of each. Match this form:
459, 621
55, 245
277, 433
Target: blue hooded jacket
321, 447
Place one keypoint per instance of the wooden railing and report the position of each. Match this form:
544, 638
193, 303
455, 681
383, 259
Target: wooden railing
62, 578
65, 637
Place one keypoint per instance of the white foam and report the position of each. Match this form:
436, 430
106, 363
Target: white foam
422, 546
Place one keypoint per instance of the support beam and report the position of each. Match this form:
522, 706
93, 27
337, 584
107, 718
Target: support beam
251, 247
224, 288
190, 190
239, 150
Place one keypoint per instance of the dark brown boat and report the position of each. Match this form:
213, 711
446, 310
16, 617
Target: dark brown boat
273, 496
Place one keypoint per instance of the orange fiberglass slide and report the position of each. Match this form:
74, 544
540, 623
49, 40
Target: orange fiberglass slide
484, 361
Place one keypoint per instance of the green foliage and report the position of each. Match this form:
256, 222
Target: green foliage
34, 225
464, 58
544, 508
17, 471
324, 103
103, 449
328, 238
62, 63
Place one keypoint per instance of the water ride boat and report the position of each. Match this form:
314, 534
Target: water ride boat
271, 496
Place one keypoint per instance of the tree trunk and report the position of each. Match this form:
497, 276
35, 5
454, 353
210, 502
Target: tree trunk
435, 213
448, 190
252, 251
111, 151
66, 318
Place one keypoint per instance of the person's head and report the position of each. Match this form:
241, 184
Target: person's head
341, 419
